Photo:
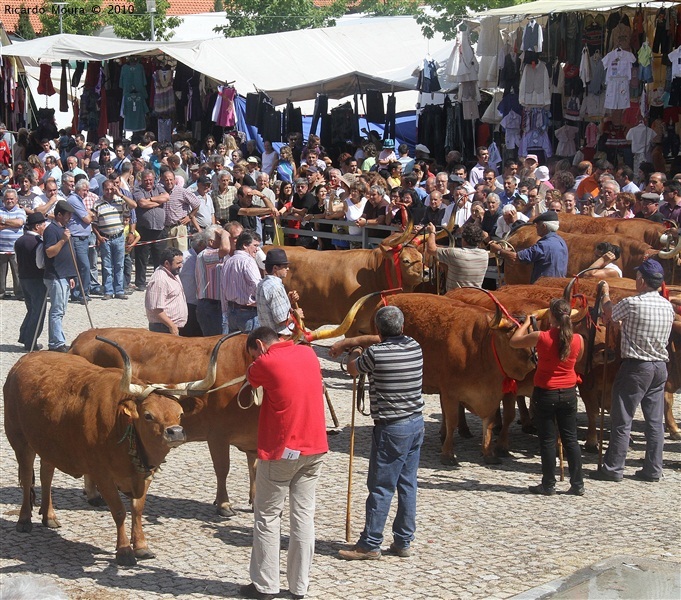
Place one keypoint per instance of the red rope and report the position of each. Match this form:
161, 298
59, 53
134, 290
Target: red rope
664, 291
397, 281
509, 385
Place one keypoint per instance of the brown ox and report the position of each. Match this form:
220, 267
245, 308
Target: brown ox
459, 363
639, 229
83, 419
330, 282
214, 418
581, 253
521, 300
591, 388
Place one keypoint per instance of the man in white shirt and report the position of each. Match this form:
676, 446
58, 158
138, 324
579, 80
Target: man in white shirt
52, 171
625, 177
483, 163
47, 150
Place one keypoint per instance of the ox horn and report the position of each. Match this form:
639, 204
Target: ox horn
498, 318
576, 315
133, 389
567, 292
404, 236
325, 334
198, 388
672, 252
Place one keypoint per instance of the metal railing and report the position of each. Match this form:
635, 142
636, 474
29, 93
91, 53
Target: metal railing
364, 238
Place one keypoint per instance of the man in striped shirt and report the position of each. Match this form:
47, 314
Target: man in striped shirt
394, 364
164, 299
208, 271
240, 277
108, 226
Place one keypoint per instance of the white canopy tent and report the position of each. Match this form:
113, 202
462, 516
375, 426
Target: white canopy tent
377, 53
546, 7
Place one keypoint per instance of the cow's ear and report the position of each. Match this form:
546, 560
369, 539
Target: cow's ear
129, 408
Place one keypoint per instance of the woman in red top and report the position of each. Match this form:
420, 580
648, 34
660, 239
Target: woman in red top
555, 395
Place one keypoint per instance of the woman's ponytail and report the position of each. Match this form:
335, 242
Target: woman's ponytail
560, 309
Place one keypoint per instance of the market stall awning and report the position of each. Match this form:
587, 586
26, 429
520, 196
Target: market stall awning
545, 7
371, 52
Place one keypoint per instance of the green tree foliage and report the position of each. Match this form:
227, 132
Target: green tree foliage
256, 17
137, 25
218, 6
387, 8
448, 13
24, 26
79, 16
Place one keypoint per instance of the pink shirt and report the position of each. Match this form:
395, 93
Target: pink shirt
165, 291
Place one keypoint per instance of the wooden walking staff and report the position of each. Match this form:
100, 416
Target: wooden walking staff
348, 532
605, 371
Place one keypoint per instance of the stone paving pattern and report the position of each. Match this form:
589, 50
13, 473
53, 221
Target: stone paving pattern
480, 534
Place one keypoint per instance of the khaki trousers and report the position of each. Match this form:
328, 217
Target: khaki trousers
182, 241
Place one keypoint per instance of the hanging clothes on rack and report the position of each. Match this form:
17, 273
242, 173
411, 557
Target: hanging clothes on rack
321, 108
534, 86
617, 66
533, 41
45, 86
462, 64
374, 107
390, 117
223, 111
164, 96
64, 88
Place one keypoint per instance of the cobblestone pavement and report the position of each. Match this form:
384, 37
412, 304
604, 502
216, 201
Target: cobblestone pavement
480, 535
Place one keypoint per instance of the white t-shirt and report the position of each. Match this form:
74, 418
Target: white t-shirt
503, 228
618, 64
675, 59
641, 138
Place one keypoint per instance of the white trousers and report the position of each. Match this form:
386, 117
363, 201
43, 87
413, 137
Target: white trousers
273, 480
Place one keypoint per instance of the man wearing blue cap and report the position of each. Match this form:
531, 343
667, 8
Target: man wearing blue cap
646, 322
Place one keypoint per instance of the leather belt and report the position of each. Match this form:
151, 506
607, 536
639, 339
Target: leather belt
242, 306
115, 236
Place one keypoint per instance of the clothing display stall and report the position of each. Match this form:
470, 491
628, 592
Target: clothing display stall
583, 81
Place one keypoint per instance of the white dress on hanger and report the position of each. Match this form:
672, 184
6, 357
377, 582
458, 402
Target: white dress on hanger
462, 64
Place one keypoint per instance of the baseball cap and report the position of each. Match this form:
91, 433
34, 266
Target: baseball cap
455, 179
542, 173
652, 272
93, 164
532, 157
204, 179
253, 159
422, 148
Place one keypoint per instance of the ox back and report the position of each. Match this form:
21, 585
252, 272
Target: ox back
215, 418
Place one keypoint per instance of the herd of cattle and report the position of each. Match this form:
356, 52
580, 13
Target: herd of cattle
103, 397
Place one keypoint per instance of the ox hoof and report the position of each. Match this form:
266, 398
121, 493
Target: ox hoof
24, 526
465, 433
51, 523
502, 452
226, 510
492, 460
529, 429
449, 461
125, 557
144, 554
96, 501
591, 448
675, 435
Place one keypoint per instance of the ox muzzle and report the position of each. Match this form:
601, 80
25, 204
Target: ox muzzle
174, 436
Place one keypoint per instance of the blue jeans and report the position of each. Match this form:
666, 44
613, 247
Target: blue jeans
34, 294
393, 464
81, 249
113, 257
242, 319
92, 257
209, 316
58, 292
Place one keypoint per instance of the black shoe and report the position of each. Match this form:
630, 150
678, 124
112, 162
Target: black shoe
296, 596
541, 490
250, 591
575, 490
107, 297
27, 347
59, 349
141, 288
121, 297
602, 475
643, 477
401, 551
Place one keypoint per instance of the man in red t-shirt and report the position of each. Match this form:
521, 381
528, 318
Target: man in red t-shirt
291, 447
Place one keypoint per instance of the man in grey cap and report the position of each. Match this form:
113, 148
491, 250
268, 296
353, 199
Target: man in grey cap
271, 299
549, 256
650, 204
646, 323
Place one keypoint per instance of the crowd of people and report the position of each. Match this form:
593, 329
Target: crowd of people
199, 216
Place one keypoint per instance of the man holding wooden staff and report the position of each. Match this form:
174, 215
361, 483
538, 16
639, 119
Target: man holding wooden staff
394, 364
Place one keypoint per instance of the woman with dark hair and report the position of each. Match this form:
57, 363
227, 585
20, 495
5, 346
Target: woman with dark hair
20, 148
555, 394
412, 205
320, 211
209, 148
